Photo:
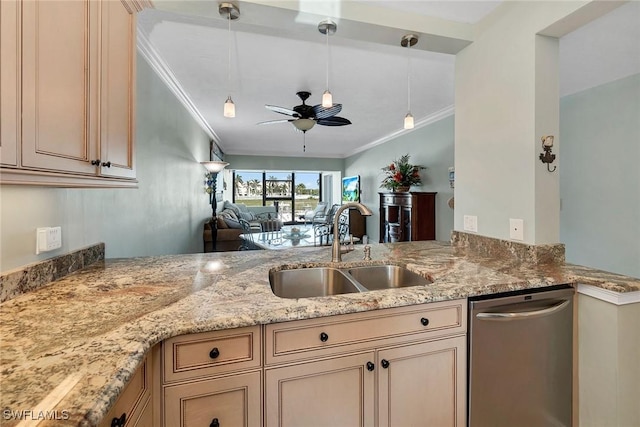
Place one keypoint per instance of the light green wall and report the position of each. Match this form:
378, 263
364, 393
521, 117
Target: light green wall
163, 216
242, 162
430, 146
600, 176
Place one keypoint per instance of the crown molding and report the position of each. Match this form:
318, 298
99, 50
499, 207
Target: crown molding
425, 121
157, 64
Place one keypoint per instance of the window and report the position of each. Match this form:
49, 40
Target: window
292, 193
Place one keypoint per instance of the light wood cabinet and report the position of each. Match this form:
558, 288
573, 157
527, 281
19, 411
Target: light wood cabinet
213, 378
9, 82
400, 366
77, 84
134, 408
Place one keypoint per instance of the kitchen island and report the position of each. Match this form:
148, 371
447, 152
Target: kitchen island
82, 337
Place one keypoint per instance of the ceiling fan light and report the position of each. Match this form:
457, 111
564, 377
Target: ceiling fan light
327, 99
304, 124
229, 108
408, 121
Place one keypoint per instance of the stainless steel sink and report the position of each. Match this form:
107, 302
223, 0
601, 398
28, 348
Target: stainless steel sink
311, 282
386, 276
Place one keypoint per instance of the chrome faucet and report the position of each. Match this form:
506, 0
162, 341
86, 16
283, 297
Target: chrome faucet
336, 249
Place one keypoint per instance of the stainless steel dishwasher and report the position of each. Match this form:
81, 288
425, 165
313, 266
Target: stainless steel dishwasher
520, 358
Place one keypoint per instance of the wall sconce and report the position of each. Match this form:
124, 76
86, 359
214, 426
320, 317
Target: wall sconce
547, 157
213, 167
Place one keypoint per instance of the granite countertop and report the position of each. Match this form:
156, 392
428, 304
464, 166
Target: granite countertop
83, 336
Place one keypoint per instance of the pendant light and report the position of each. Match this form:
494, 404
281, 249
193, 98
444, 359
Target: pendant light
327, 28
230, 12
408, 41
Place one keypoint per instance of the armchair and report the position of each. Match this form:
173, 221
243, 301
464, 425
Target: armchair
318, 212
323, 224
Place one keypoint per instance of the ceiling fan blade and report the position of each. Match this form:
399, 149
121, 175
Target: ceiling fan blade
323, 113
270, 122
334, 121
282, 110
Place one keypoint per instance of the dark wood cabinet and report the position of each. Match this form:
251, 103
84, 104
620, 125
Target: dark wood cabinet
357, 223
406, 217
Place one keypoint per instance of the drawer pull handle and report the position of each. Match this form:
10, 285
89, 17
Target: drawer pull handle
215, 423
97, 163
106, 164
324, 337
424, 321
384, 363
214, 353
119, 422
370, 366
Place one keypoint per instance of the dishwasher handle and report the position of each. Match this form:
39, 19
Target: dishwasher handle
524, 314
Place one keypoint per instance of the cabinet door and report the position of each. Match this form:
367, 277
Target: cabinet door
9, 81
117, 89
59, 85
332, 392
423, 384
233, 401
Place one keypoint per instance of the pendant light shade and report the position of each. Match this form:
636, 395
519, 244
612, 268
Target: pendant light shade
230, 12
229, 108
408, 41
327, 28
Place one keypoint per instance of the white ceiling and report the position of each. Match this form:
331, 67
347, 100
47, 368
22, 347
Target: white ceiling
277, 52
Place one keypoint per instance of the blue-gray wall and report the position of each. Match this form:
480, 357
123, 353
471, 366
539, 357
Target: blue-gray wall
600, 176
430, 146
243, 162
164, 215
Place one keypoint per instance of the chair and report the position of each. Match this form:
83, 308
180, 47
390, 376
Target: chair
319, 211
323, 225
247, 242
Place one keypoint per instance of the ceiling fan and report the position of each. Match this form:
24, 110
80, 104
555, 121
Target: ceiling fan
306, 116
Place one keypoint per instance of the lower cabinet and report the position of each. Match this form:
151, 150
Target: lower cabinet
392, 367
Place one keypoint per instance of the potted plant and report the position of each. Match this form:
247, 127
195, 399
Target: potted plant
400, 175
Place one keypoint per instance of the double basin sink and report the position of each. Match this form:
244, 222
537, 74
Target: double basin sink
324, 281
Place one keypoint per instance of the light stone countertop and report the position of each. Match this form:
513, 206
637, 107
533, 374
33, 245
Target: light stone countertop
85, 334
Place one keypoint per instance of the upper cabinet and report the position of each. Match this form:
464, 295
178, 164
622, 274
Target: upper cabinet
77, 93
9, 82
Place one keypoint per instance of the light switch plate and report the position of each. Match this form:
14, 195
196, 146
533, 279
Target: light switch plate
48, 239
516, 229
471, 223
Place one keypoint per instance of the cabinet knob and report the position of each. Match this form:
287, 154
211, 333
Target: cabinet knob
106, 164
214, 423
424, 321
119, 422
384, 363
96, 162
370, 366
214, 353
324, 337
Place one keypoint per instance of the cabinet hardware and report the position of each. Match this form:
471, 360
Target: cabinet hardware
370, 366
215, 423
424, 321
214, 353
96, 162
106, 164
384, 363
324, 337
119, 422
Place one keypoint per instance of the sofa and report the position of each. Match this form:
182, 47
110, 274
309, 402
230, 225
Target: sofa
234, 219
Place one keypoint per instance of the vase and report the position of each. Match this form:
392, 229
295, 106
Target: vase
402, 189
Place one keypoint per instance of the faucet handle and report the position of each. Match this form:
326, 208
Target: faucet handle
367, 253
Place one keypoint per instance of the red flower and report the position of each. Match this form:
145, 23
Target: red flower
392, 167
398, 177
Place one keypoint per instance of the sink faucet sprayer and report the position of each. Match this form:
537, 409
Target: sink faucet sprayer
336, 249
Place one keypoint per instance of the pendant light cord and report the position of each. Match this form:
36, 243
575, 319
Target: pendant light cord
327, 33
409, 77
229, 56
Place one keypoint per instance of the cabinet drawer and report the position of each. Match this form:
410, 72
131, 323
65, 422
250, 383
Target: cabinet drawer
211, 353
232, 401
397, 199
326, 336
133, 398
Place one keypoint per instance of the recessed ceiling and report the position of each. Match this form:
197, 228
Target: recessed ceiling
277, 52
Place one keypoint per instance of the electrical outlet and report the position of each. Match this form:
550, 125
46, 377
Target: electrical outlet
48, 239
516, 229
471, 223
